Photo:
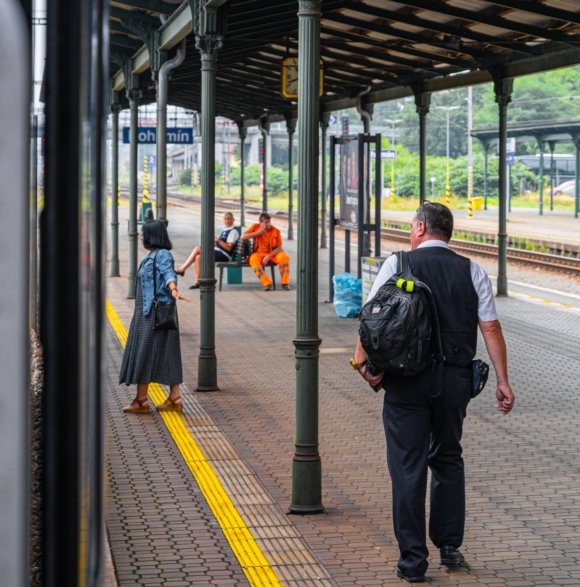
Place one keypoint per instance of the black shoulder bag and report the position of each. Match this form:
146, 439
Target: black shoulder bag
165, 312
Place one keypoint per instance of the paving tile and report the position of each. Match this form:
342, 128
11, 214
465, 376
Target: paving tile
523, 520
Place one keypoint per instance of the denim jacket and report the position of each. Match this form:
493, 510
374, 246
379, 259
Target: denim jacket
165, 274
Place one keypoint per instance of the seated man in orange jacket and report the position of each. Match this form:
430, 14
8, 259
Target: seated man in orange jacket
267, 248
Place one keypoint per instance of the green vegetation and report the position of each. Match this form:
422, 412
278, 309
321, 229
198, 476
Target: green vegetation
545, 97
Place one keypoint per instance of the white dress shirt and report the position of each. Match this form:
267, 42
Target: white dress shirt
481, 282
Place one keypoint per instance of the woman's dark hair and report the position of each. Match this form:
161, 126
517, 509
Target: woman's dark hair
437, 218
155, 235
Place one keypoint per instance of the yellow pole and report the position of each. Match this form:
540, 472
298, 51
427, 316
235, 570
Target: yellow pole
470, 191
447, 187
145, 181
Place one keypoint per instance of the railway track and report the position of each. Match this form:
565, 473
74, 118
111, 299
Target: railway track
530, 258
560, 263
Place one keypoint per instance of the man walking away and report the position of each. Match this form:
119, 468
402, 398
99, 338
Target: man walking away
423, 424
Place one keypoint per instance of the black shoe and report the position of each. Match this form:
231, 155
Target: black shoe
286, 286
268, 288
411, 578
451, 557
194, 286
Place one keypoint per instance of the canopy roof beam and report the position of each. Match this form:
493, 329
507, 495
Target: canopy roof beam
390, 46
459, 32
152, 5
425, 39
539, 8
495, 21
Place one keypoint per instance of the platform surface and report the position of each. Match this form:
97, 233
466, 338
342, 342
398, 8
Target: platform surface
523, 470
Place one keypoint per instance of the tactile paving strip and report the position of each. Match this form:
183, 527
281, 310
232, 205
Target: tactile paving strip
244, 490
160, 528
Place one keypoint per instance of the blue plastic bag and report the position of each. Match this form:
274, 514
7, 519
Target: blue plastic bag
347, 295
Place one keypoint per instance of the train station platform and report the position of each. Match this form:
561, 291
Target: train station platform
201, 498
554, 229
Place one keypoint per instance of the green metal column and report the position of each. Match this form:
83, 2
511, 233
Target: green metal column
134, 96
208, 42
115, 109
323, 128
503, 92
422, 103
552, 145
306, 466
576, 141
264, 127
485, 171
541, 178
243, 134
291, 127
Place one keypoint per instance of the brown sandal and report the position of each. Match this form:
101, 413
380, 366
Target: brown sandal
171, 405
141, 407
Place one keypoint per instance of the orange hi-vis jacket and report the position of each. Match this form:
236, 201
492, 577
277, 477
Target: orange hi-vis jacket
264, 245
267, 242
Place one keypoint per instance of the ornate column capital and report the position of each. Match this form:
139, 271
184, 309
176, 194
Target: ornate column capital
209, 44
208, 26
502, 87
114, 102
134, 95
422, 99
242, 130
309, 8
290, 124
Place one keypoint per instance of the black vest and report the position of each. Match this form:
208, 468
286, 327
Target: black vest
224, 237
449, 277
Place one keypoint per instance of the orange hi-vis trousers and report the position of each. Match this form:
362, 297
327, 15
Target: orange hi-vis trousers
281, 259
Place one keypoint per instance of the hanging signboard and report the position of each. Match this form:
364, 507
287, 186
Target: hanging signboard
349, 182
147, 135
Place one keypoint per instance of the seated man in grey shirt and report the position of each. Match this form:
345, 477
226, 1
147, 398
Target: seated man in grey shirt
224, 245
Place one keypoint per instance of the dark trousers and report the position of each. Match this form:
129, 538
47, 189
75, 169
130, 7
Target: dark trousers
425, 431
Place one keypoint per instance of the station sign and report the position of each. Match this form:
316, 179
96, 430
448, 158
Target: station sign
510, 145
147, 135
386, 154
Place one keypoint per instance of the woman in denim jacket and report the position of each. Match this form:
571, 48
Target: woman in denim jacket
153, 355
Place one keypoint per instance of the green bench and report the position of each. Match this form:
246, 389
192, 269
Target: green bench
238, 262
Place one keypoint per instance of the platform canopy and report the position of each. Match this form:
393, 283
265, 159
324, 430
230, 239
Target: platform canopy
556, 132
380, 47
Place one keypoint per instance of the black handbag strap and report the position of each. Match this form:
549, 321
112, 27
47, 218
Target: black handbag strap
155, 277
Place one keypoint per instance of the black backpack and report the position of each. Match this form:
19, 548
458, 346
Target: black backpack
399, 327
241, 251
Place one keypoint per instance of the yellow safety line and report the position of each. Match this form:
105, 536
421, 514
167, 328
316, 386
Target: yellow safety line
543, 301
251, 559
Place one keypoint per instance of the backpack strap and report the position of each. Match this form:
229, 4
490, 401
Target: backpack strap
402, 262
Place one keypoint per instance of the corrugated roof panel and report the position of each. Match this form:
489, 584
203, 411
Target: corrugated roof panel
494, 32
569, 5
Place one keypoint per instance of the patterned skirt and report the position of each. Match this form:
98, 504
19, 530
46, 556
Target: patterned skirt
150, 355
